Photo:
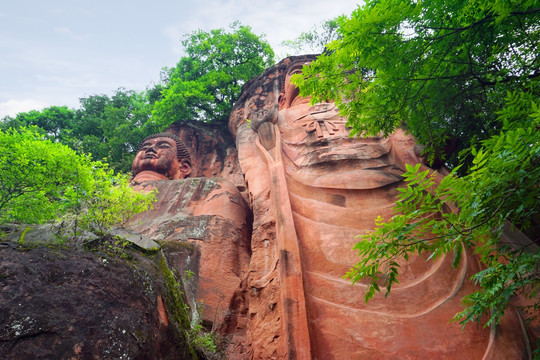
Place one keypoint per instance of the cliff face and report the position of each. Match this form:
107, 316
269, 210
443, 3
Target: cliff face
212, 149
258, 239
110, 302
211, 216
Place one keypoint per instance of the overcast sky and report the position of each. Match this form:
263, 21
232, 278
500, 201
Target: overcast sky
54, 52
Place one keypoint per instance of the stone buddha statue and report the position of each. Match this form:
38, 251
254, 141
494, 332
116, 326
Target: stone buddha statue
313, 189
161, 156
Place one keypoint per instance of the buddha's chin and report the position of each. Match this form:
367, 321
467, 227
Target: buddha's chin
148, 175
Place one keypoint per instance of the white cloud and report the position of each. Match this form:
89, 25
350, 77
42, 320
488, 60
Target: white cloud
13, 107
80, 81
69, 33
175, 35
58, 51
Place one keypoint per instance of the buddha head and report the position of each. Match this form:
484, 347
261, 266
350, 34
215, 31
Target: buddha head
160, 157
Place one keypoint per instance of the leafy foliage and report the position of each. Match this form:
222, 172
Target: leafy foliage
501, 186
32, 176
108, 128
440, 68
205, 84
110, 201
111, 128
54, 122
42, 181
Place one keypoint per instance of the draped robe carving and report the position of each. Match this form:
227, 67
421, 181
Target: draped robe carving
332, 189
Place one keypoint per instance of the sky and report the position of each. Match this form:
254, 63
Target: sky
54, 52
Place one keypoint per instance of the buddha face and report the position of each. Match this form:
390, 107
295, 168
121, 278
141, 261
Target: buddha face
290, 95
159, 156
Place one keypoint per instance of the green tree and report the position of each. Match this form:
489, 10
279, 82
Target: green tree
41, 181
315, 40
112, 128
455, 72
205, 84
56, 122
108, 128
440, 68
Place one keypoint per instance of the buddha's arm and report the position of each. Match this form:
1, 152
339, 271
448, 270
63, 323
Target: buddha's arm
292, 296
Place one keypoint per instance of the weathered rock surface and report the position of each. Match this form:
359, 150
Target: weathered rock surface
63, 303
212, 149
211, 215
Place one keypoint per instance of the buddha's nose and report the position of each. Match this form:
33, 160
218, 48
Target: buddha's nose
151, 149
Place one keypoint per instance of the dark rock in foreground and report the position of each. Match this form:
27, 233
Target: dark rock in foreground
63, 303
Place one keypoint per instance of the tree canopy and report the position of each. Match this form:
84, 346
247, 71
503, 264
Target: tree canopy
111, 128
463, 77
54, 123
108, 128
43, 181
205, 84
440, 68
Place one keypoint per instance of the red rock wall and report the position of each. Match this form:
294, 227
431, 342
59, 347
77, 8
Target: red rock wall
212, 149
210, 215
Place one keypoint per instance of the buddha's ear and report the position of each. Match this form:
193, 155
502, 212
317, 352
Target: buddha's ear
281, 101
185, 168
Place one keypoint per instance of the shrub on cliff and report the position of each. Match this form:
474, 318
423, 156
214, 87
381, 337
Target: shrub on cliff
41, 181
